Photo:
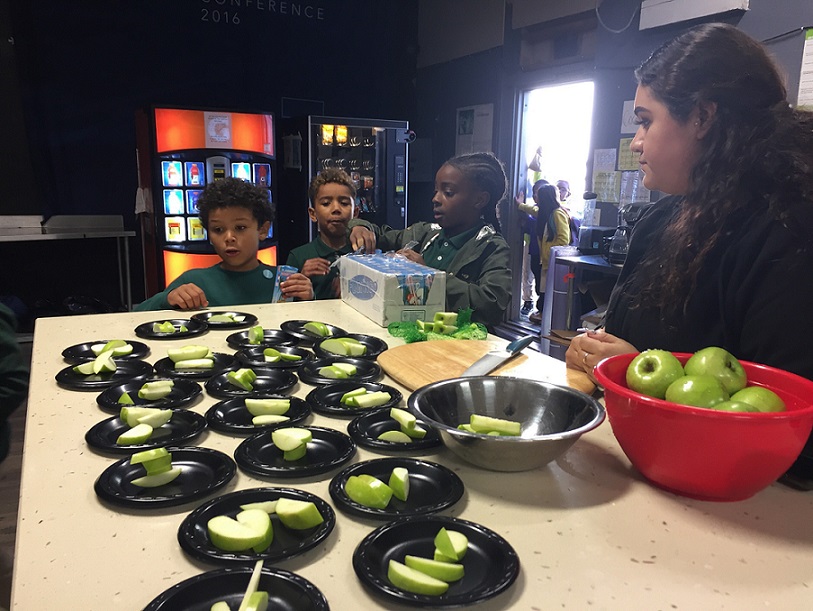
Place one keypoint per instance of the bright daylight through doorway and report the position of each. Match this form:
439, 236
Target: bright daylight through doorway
557, 122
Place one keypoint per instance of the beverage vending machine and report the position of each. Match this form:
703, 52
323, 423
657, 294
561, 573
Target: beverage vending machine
180, 151
373, 152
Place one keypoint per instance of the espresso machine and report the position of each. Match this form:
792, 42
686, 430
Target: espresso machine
628, 215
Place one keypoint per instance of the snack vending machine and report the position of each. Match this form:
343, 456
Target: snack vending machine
179, 152
372, 151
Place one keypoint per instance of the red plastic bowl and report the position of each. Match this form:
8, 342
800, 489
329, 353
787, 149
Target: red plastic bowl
704, 453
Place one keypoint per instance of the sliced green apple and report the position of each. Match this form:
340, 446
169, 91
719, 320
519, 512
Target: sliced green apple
445, 571
262, 407
295, 454
259, 521
257, 602
156, 419
368, 490
287, 356
404, 418
290, 438
242, 378
152, 391
84, 369
415, 433
486, 424
335, 346
298, 515
395, 437
271, 355
104, 363
229, 535
160, 479
329, 371
451, 543
220, 605
228, 318
266, 506
412, 580
353, 393
125, 399
138, 434
266, 419
256, 335
373, 399
347, 368
158, 465
399, 483
203, 363
148, 455
317, 328
185, 353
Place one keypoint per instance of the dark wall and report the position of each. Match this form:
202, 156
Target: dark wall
84, 68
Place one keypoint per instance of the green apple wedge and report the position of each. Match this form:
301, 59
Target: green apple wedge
160, 479
289, 438
295, 454
257, 602
414, 581
118, 346
317, 328
227, 318
354, 346
404, 418
138, 434
229, 535
348, 368
104, 363
332, 372
399, 483
445, 571
147, 455
267, 419
335, 346
395, 437
125, 399
451, 543
418, 432
156, 419
368, 490
253, 584
259, 521
371, 399
220, 605
271, 355
158, 465
266, 506
131, 413
185, 353
486, 424
262, 407
242, 378
352, 393
298, 515
256, 335
84, 369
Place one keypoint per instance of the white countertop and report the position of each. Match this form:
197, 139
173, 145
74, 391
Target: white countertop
589, 531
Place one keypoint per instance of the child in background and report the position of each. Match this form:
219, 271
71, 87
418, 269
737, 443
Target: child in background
462, 241
332, 195
237, 215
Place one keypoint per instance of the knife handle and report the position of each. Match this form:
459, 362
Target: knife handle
518, 345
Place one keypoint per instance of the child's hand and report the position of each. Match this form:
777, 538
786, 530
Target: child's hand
297, 285
188, 297
360, 237
413, 256
316, 267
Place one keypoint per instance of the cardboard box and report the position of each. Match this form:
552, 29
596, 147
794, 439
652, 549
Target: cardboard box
388, 288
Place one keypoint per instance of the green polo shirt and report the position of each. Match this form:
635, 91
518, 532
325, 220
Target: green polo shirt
317, 249
442, 250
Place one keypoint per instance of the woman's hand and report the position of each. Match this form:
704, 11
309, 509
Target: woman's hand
360, 237
187, 297
586, 350
297, 285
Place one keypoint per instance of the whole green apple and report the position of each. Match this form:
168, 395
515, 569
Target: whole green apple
735, 406
721, 364
763, 399
699, 391
652, 371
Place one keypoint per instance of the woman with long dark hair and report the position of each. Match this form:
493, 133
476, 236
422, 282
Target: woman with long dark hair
552, 229
726, 259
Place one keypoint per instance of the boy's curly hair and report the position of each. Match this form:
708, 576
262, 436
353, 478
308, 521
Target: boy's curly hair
232, 192
328, 176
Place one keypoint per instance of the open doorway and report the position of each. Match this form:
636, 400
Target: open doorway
553, 143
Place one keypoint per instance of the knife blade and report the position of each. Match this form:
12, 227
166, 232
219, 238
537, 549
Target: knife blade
490, 361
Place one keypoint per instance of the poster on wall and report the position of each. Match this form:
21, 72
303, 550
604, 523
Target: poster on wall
475, 125
805, 100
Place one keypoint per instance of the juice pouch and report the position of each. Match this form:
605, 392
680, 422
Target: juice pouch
283, 273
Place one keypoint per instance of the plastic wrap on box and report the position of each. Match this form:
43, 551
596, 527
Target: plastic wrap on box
387, 288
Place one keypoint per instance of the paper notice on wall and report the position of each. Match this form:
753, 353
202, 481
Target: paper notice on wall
604, 160
628, 125
633, 190
627, 160
606, 186
475, 125
805, 100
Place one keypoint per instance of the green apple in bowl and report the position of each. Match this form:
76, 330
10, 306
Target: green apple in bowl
763, 399
719, 363
697, 391
652, 371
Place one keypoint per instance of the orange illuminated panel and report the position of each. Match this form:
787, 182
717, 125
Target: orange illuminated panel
176, 263
177, 129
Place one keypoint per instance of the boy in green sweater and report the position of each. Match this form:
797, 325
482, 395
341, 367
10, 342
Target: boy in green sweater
332, 195
237, 215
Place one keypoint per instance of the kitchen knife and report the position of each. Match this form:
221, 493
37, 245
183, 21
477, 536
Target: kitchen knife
489, 362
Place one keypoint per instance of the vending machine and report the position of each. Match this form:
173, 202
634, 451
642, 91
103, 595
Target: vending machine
179, 152
373, 152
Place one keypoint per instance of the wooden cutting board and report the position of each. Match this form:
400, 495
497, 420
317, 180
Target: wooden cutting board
420, 363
